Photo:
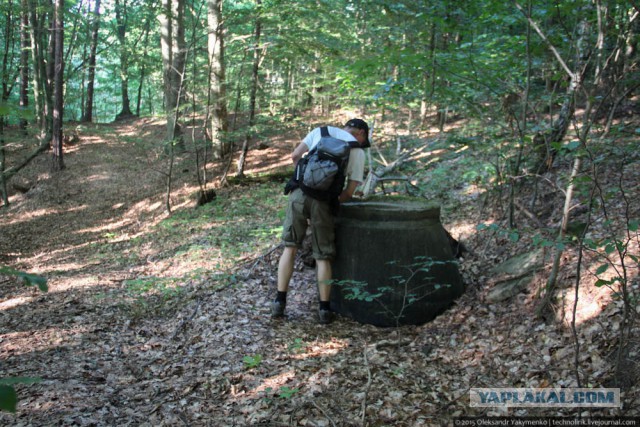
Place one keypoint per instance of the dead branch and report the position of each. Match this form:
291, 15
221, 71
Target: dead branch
375, 176
44, 146
528, 213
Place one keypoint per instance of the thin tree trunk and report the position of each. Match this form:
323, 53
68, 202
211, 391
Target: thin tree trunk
566, 212
173, 58
217, 81
3, 180
95, 26
58, 112
4, 96
522, 127
236, 108
252, 98
121, 31
24, 62
561, 124
143, 67
40, 86
50, 71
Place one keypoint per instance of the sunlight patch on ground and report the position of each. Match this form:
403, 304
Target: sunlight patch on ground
60, 285
146, 206
273, 383
14, 302
108, 227
52, 262
25, 342
591, 302
323, 349
25, 217
433, 155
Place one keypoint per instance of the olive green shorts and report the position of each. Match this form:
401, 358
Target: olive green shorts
302, 208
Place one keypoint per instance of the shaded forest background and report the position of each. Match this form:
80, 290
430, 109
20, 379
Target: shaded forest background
121, 119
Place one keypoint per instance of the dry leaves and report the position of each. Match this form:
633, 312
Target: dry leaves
186, 361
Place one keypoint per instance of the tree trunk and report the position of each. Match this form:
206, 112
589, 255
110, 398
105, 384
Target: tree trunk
217, 80
58, 162
143, 66
4, 96
95, 26
236, 108
3, 180
173, 60
24, 63
560, 125
41, 86
121, 31
254, 90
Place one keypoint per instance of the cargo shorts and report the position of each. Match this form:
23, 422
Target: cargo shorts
302, 208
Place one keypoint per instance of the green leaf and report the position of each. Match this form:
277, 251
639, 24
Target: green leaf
573, 145
8, 398
633, 225
19, 380
514, 236
602, 269
29, 279
287, 392
33, 280
252, 361
600, 283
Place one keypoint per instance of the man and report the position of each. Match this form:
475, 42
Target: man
304, 210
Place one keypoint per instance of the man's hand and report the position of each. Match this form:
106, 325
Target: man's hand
347, 193
298, 153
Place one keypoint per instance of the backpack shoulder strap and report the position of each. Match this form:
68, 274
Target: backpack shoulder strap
324, 132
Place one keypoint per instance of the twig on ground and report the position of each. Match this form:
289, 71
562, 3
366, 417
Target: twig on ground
367, 387
529, 214
184, 322
260, 257
319, 408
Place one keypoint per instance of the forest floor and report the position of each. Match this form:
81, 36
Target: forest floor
154, 319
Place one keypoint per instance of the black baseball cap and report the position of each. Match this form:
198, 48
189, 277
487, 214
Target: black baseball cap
360, 124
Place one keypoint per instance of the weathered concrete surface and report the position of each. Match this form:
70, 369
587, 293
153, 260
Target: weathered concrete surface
394, 264
514, 275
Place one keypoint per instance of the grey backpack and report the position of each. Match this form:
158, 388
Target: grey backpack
320, 174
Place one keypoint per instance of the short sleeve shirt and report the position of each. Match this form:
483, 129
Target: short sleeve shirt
355, 167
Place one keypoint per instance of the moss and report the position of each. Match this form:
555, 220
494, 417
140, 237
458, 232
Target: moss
394, 198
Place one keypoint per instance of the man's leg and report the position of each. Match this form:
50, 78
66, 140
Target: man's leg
324, 273
285, 271
324, 279
285, 267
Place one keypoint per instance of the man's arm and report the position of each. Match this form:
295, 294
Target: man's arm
299, 152
347, 193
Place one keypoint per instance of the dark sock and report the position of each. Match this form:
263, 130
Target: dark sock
281, 296
324, 305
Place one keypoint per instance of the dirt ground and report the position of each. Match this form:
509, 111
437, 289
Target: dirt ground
212, 356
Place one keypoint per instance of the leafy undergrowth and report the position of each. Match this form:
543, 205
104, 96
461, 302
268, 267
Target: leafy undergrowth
157, 320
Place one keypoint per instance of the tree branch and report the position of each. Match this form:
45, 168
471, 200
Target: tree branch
546, 40
44, 146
